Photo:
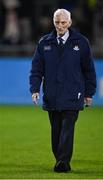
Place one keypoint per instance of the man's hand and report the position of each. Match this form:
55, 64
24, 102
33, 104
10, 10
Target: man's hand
35, 97
87, 101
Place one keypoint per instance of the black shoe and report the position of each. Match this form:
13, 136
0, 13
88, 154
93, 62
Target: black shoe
61, 166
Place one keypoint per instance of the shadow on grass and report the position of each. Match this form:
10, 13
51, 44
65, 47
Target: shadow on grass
12, 168
89, 167
81, 168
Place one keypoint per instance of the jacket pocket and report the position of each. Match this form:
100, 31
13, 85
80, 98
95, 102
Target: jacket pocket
75, 92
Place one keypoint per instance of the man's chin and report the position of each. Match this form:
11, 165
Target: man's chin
61, 33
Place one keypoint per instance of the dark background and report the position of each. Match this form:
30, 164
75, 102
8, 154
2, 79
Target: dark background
23, 22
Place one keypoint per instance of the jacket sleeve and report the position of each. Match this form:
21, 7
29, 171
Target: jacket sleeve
37, 71
88, 70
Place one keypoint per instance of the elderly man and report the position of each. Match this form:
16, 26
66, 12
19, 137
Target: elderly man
63, 62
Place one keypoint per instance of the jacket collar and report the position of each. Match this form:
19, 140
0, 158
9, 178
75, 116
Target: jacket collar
73, 35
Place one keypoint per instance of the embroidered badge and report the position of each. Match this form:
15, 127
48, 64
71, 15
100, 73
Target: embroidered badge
47, 48
76, 48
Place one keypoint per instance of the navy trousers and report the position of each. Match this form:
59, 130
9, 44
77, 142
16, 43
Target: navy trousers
62, 133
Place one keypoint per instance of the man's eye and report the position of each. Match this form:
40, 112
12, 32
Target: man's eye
56, 22
63, 23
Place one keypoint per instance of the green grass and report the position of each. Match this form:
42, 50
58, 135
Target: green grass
25, 148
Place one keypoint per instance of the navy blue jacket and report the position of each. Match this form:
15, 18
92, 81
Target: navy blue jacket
68, 77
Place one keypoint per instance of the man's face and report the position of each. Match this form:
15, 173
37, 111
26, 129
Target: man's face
61, 24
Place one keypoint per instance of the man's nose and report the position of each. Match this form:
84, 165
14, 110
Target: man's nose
60, 25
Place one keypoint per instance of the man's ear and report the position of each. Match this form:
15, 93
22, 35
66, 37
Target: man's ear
70, 23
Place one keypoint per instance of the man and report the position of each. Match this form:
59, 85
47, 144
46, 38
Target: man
63, 62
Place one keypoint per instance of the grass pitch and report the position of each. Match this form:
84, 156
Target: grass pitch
25, 148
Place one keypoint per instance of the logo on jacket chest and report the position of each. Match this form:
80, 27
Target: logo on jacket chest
47, 48
76, 48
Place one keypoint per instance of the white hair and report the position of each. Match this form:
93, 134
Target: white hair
62, 12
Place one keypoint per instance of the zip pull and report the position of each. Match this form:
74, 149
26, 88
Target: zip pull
79, 94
